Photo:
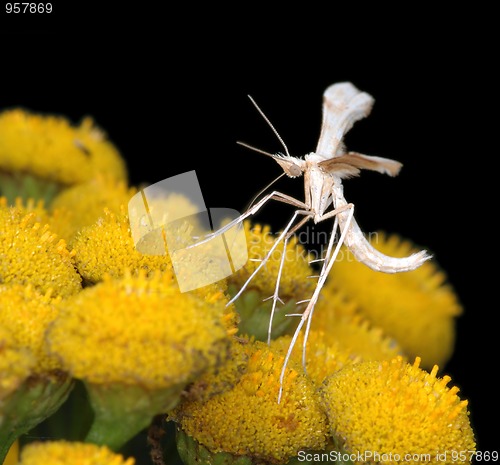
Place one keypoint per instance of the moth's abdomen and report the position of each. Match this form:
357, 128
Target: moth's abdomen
365, 253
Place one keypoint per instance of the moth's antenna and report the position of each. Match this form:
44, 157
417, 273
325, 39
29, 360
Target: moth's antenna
255, 149
271, 183
270, 125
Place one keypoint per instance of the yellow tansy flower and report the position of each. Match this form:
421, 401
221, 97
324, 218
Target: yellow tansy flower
416, 308
26, 314
392, 408
136, 342
107, 247
150, 332
247, 419
31, 254
50, 148
83, 204
75, 453
155, 339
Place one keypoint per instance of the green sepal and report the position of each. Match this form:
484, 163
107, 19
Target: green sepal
27, 186
254, 313
35, 400
121, 411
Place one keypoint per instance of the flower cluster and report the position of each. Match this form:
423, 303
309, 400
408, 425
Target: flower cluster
95, 330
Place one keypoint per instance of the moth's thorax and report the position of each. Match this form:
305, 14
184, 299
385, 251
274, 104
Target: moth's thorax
313, 158
318, 187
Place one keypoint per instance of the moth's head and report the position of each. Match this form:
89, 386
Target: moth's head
293, 167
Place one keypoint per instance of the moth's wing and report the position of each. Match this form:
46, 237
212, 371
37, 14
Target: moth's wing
342, 170
357, 161
343, 105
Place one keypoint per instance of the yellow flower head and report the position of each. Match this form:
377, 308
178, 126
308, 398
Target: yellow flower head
50, 148
16, 364
395, 408
150, 333
107, 247
31, 254
75, 453
247, 419
83, 204
416, 308
26, 314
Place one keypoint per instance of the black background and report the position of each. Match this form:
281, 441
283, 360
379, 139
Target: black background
170, 90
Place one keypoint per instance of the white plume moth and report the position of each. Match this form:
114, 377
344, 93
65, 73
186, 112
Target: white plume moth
323, 171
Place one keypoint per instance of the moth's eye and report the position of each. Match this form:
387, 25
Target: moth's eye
295, 170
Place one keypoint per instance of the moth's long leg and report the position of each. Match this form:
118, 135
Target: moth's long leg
327, 265
269, 253
275, 296
275, 195
325, 270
